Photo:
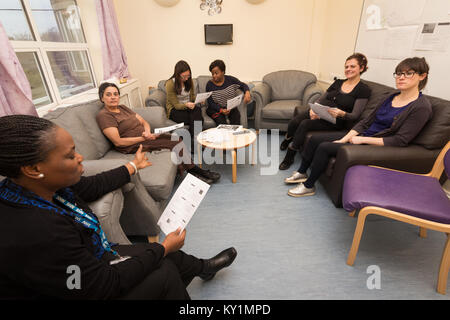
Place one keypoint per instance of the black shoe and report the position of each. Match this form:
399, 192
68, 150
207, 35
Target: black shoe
214, 176
201, 177
220, 261
288, 159
285, 144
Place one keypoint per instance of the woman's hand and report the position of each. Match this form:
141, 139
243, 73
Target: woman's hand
336, 113
313, 115
174, 241
224, 111
247, 97
141, 159
149, 136
190, 105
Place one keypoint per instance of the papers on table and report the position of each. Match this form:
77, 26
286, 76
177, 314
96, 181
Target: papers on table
183, 204
215, 136
236, 101
202, 97
231, 127
168, 129
322, 112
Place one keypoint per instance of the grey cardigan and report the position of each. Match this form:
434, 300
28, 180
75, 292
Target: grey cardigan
406, 125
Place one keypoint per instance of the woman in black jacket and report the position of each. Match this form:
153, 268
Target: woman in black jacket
48, 233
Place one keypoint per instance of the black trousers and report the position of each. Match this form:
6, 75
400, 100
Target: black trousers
317, 154
220, 118
169, 281
188, 117
301, 124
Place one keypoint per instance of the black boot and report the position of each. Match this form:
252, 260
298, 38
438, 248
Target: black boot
205, 175
220, 261
285, 143
288, 159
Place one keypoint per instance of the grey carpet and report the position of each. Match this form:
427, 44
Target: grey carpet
296, 248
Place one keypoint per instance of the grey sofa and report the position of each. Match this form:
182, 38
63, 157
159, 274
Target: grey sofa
278, 95
157, 98
148, 193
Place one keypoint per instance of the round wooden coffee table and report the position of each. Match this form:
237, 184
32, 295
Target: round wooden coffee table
229, 142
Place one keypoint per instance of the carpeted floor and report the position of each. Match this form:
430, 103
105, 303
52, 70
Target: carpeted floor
296, 248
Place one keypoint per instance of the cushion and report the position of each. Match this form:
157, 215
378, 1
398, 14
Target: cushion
411, 194
201, 83
436, 132
288, 84
159, 178
280, 110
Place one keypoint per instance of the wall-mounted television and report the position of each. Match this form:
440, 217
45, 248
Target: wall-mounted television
218, 33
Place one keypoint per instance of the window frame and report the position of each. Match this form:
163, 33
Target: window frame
41, 48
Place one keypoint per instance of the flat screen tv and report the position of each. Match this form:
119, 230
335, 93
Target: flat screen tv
218, 33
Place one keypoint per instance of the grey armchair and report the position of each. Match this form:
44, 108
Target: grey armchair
279, 94
157, 98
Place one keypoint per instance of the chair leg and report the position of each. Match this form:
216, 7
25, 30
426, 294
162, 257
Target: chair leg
444, 268
422, 232
352, 214
356, 238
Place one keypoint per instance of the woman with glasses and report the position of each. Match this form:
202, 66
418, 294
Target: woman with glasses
346, 99
180, 99
395, 122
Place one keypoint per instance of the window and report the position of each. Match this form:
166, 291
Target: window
49, 41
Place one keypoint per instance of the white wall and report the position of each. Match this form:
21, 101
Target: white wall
274, 35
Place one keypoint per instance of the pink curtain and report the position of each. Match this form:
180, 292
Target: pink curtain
15, 90
114, 58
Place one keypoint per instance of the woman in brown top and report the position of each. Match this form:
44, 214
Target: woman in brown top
127, 130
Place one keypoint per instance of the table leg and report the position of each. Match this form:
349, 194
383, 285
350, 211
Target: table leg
200, 155
253, 153
234, 166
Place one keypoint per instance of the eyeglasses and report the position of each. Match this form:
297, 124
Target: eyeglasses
185, 77
407, 74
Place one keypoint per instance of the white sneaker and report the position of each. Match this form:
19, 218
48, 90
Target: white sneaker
301, 191
296, 177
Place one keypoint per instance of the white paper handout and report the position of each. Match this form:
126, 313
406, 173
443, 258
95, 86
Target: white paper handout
202, 97
183, 204
233, 103
168, 129
322, 112
216, 136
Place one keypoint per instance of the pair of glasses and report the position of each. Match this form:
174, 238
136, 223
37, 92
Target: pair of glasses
407, 74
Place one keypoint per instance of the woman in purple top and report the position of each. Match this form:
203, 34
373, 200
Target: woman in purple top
396, 122
224, 88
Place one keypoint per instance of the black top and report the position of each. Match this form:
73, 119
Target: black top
336, 98
37, 246
221, 94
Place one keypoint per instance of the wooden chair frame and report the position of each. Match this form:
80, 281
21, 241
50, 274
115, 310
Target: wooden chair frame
423, 224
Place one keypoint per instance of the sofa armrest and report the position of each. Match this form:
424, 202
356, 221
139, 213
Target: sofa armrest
261, 92
243, 111
311, 94
156, 97
156, 116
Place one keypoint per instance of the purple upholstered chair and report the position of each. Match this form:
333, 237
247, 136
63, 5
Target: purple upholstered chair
412, 198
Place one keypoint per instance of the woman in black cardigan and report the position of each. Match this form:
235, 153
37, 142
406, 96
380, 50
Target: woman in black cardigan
47, 231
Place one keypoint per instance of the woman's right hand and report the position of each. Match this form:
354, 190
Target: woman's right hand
141, 159
224, 111
174, 241
313, 115
190, 105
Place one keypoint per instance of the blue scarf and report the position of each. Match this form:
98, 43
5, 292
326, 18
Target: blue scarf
11, 192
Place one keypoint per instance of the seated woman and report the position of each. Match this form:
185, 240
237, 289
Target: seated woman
181, 96
46, 227
396, 122
127, 130
346, 97
224, 88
